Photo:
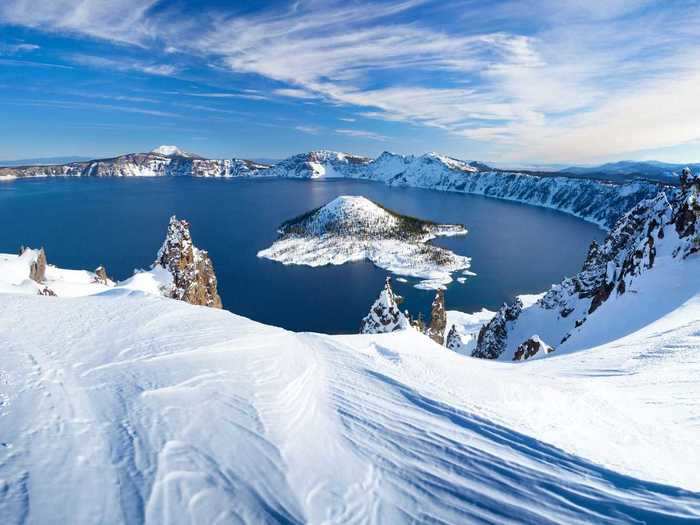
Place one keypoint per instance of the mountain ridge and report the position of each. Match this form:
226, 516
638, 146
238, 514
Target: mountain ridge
599, 201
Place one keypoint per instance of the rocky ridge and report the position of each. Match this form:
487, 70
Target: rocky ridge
598, 201
664, 226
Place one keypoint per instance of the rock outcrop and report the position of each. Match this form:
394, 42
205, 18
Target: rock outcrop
101, 276
438, 318
193, 277
385, 315
530, 348
37, 269
493, 336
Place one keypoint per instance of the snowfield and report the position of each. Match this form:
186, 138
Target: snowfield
125, 407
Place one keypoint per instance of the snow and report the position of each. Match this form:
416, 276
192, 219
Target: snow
169, 151
122, 408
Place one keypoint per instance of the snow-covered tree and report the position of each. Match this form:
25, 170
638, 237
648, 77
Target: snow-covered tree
453, 340
385, 316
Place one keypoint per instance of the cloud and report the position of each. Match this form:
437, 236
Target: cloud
347, 119
294, 93
124, 65
11, 49
66, 104
555, 80
311, 130
247, 96
116, 20
359, 133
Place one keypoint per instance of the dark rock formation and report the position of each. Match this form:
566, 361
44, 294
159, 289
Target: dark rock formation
46, 291
438, 319
193, 277
494, 335
530, 348
453, 340
385, 316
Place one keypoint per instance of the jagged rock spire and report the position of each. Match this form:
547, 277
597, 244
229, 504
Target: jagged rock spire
438, 318
37, 268
385, 316
193, 277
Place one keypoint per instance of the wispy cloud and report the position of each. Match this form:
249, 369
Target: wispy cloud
15, 48
68, 104
360, 133
311, 130
115, 20
295, 93
31, 63
124, 65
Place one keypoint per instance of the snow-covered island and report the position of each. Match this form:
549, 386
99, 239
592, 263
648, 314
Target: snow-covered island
352, 228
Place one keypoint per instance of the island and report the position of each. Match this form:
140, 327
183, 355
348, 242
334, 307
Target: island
354, 228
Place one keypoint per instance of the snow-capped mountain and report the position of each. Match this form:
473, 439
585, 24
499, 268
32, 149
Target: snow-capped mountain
352, 228
646, 267
599, 201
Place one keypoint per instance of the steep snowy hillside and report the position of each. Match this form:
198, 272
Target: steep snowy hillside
127, 408
351, 228
647, 267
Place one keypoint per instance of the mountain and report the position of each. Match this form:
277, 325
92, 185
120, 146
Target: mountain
352, 228
628, 170
598, 201
646, 267
323, 163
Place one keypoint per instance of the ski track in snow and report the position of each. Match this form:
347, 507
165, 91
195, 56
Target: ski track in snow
123, 409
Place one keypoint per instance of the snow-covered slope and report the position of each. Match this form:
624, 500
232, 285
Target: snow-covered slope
126, 408
352, 228
647, 267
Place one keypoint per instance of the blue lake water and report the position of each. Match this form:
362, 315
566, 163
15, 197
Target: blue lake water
120, 223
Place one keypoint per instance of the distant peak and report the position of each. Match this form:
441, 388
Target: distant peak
170, 151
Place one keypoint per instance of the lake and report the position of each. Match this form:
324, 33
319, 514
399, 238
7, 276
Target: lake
121, 223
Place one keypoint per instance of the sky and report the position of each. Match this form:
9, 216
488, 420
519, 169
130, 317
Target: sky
529, 82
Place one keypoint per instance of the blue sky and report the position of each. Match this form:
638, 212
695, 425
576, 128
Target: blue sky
518, 82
